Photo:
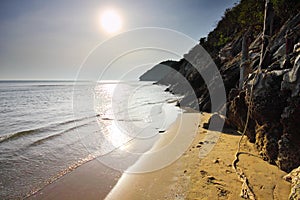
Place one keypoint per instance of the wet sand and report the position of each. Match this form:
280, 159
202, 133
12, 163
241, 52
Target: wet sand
189, 177
92, 180
209, 178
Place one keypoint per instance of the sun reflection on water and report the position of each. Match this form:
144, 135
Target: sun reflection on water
106, 103
116, 136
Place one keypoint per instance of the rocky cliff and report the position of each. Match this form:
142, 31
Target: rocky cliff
275, 100
270, 89
159, 71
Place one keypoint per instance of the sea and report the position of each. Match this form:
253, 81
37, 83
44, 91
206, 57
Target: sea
49, 128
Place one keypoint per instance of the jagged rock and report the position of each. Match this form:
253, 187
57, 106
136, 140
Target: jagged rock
231, 49
225, 53
294, 178
289, 144
288, 153
158, 71
290, 79
279, 38
266, 141
280, 52
237, 113
274, 121
219, 121
275, 66
297, 48
268, 105
255, 45
266, 100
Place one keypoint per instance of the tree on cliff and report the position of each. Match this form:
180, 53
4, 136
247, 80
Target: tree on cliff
248, 13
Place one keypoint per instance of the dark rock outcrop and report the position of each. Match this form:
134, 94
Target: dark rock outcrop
289, 143
294, 178
274, 121
272, 95
159, 71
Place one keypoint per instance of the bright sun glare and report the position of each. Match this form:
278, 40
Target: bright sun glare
111, 21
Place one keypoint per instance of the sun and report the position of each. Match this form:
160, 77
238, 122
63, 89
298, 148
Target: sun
111, 21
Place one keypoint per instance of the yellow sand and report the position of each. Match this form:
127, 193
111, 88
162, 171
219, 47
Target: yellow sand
189, 177
209, 178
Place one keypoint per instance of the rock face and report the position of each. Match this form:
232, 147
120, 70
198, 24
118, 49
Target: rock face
274, 102
294, 178
289, 143
158, 71
274, 121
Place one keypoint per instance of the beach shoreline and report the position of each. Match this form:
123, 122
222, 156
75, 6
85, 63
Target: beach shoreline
211, 177
92, 180
92, 173
189, 177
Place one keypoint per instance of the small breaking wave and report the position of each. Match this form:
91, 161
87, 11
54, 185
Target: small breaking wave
19, 134
42, 140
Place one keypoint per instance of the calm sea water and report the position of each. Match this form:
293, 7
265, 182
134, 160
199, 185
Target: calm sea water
49, 128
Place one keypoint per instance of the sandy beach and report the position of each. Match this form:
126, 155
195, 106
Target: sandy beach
150, 100
92, 180
189, 177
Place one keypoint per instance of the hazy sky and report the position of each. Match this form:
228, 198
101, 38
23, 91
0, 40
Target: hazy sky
50, 39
